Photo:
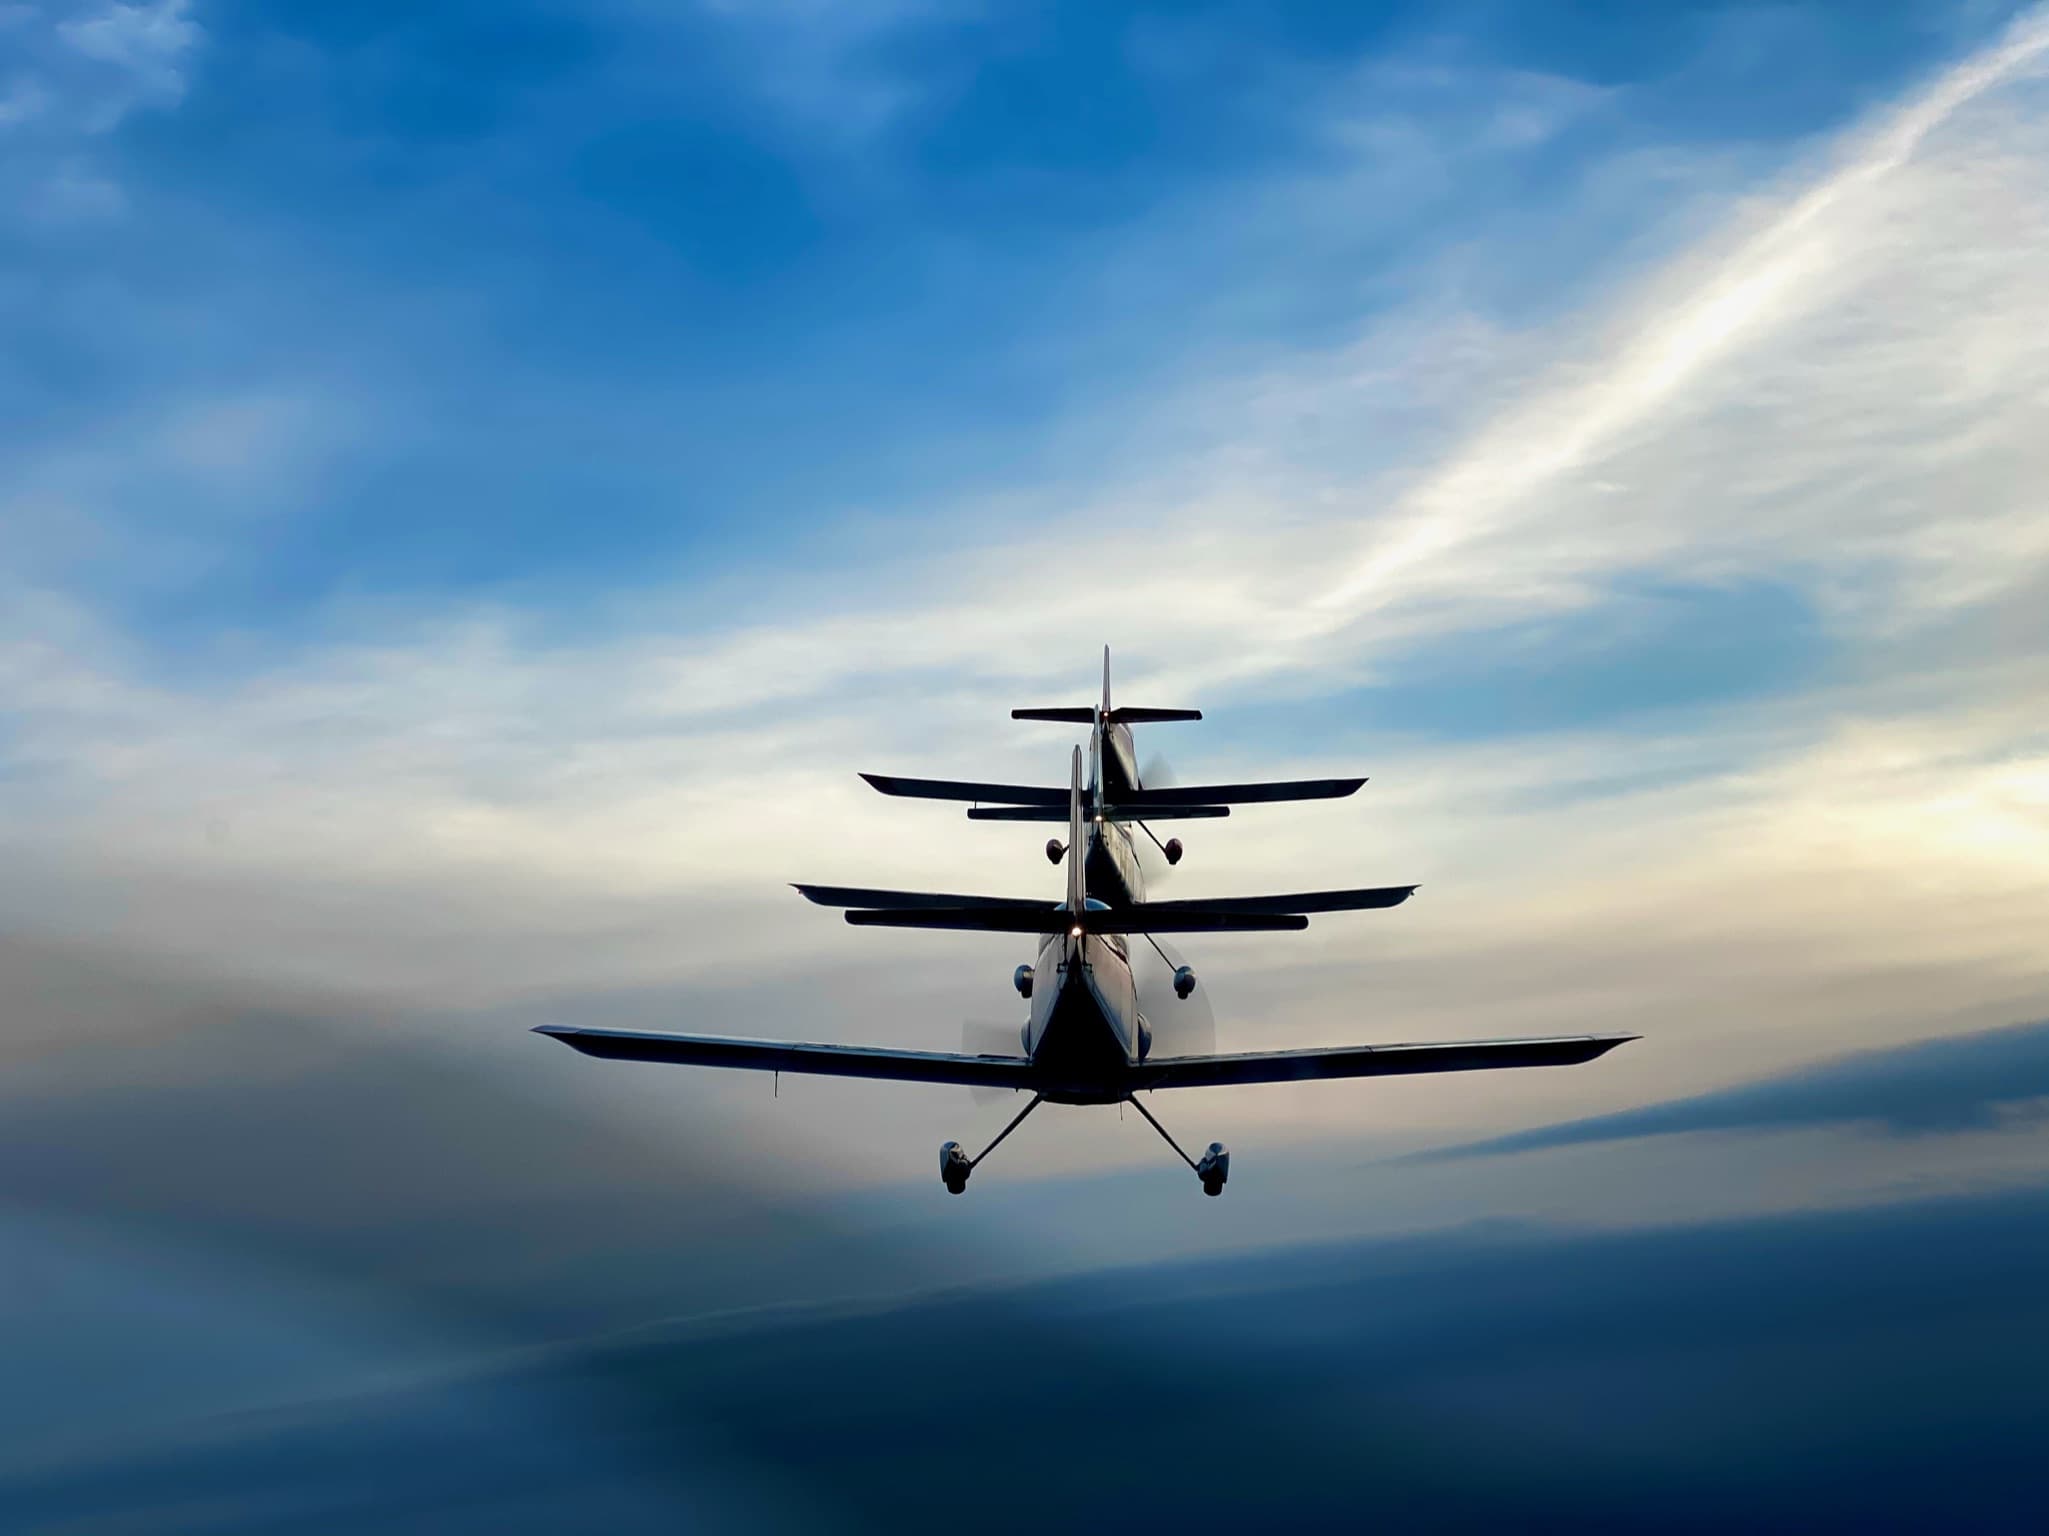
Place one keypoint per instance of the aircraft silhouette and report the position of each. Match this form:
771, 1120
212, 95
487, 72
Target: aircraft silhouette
1086, 1040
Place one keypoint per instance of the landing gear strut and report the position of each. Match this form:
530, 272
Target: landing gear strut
1215, 1166
955, 1165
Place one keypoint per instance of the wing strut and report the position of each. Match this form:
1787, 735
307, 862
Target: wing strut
1215, 1166
1169, 1140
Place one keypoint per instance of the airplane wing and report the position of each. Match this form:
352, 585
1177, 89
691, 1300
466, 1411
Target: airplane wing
1240, 794
969, 789
786, 1056
1043, 917
1299, 901
1363, 900
872, 908
1110, 813
866, 896
1374, 1061
1133, 803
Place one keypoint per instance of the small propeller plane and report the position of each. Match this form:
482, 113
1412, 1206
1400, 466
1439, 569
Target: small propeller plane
1086, 1040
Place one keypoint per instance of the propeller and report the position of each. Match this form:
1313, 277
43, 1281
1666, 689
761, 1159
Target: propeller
984, 1037
1181, 1026
1155, 773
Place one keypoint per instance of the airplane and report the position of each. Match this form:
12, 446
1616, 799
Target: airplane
1086, 1040
1118, 800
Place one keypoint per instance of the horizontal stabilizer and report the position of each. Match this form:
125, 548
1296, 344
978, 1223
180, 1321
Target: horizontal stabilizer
968, 789
1109, 813
1241, 794
1298, 901
1082, 714
867, 896
1372, 1061
1051, 919
781, 1056
1134, 804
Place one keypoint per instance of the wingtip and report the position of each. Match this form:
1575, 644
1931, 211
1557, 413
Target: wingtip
555, 1031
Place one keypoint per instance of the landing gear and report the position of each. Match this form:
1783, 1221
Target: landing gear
1215, 1167
954, 1168
955, 1165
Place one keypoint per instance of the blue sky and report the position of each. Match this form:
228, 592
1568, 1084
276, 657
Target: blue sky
557, 301
477, 482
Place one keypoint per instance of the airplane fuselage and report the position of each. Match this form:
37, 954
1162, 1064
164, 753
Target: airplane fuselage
1085, 1033
1112, 857
1114, 873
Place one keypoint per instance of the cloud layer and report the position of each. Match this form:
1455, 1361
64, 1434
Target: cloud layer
1962, 1083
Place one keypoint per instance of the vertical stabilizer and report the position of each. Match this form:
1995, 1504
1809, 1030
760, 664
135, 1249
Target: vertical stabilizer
1099, 747
1077, 846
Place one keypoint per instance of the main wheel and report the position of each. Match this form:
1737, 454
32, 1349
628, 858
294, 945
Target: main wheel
1213, 1186
956, 1186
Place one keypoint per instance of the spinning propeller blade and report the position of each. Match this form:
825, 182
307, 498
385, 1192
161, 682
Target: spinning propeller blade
1181, 1026
984, 1037
1155, 773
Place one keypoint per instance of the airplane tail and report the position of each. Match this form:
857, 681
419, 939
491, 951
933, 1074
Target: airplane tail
1105, 713
1131, 802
